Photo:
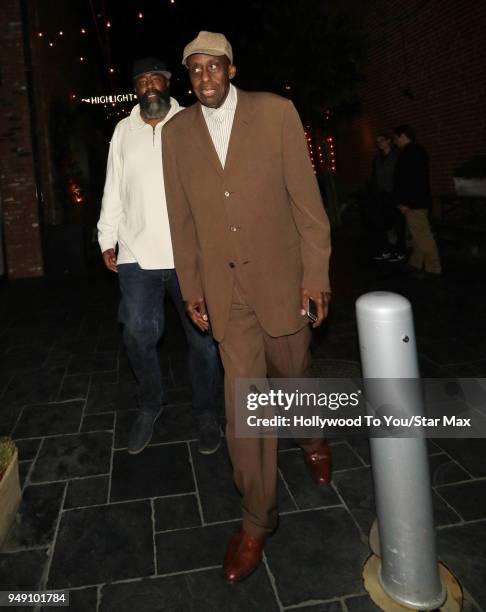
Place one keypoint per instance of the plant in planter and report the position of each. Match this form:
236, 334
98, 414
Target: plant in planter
9, 485
470, 177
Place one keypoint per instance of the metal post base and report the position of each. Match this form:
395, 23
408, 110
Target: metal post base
374, 539
372, 584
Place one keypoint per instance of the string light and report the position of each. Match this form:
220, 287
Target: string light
108, 24
140, 15
310, 147
81, 59
40, 34
83, 30
61, 33
332, 155
51, 44
112, 70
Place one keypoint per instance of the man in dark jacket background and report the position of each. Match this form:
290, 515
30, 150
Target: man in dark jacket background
411, 190
382, 208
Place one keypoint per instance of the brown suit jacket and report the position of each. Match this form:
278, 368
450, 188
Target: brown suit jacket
262, 213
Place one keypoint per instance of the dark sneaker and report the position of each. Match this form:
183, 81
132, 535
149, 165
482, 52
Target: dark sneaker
209, 435
397, 257
141, 432
382, 256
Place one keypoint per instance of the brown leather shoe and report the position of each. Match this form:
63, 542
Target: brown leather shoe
233, 546
246, 558
319, 463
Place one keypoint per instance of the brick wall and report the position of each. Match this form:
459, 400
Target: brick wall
17, 181
426, 67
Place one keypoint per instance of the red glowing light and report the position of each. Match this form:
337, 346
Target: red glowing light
75, 192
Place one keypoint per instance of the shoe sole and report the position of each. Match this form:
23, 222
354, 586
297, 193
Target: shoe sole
138, 451
233, 582
210, 451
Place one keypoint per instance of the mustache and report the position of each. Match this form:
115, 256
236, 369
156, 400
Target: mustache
144, 99
156, 106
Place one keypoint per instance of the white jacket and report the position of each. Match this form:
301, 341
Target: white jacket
134, 210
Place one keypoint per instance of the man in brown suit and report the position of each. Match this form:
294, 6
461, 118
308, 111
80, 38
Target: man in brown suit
251, 241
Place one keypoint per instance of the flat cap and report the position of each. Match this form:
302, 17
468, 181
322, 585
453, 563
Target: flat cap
209, 43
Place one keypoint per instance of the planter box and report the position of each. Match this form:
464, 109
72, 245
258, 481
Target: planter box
10, 496
470, 187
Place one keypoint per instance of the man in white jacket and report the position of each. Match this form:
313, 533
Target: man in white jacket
134, 217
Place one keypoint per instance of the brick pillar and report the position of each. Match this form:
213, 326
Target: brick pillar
17, 178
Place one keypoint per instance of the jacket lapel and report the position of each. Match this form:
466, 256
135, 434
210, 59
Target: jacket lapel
202, 138
239, 132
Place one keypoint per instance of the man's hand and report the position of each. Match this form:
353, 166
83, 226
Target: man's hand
109, 258
321, 299
196, 309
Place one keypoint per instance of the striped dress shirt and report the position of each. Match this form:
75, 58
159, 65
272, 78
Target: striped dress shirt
220, 122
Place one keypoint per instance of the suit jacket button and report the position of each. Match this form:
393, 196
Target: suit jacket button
226, 194
231, 264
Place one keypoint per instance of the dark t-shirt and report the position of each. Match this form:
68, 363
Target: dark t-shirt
411, 182
383, 171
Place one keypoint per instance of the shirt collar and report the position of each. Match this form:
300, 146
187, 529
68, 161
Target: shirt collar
228, 105
136, 121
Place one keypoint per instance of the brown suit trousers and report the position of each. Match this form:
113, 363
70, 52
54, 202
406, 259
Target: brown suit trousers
257, 356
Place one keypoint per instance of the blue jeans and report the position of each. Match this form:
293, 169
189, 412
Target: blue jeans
142, 314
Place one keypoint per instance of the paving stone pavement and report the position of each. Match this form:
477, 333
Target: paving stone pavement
148, 532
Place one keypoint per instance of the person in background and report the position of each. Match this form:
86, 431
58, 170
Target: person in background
384, 213
134, 217
411, 191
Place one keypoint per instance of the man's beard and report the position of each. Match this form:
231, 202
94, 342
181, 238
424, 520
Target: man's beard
157, 108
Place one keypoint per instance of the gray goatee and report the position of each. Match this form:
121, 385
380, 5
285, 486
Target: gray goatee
154, 109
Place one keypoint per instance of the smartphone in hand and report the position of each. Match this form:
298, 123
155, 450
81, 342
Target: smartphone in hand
311, 310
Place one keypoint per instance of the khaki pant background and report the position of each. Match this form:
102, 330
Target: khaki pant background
424, 248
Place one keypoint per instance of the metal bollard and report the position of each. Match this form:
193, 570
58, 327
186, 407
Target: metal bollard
409, 571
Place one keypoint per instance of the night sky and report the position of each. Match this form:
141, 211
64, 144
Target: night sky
302, 50
84, 49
